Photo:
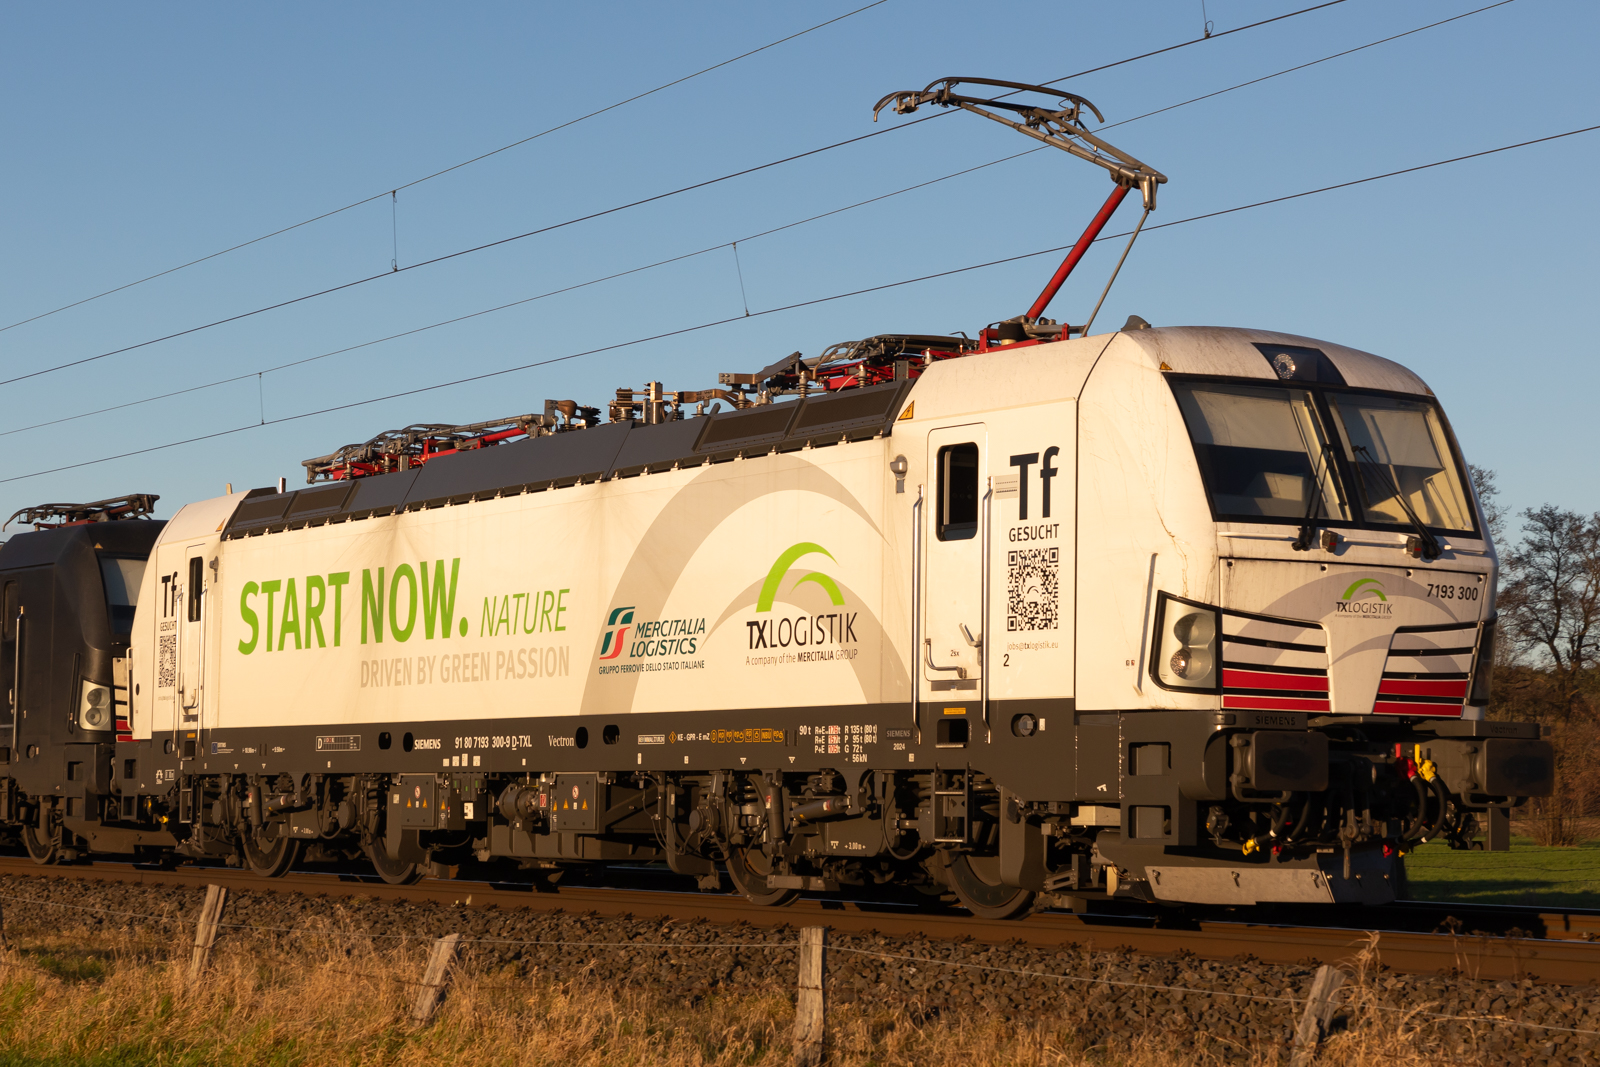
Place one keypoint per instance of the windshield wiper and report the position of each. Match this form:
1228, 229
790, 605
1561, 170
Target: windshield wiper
1308, 531
1428, 545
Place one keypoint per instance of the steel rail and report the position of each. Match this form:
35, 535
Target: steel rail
1571, 961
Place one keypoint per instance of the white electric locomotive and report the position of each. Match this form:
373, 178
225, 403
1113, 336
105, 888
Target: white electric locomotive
1188, 614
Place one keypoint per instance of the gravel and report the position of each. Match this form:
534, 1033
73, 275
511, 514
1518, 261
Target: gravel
1100, 994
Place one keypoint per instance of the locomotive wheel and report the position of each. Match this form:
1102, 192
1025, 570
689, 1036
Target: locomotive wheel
275, 859
395, 872
41, 849
976, 883
749, 869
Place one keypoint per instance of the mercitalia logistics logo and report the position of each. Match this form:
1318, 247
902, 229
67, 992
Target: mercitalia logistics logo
616, 635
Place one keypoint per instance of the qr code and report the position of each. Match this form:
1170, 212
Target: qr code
1033, 588
167, 663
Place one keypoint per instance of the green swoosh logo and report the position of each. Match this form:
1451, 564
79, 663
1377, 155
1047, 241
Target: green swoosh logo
828, 585
769, 588
1366, 581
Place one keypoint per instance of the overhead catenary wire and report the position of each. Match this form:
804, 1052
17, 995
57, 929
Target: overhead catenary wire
393, 192
514, 303
1195, 40
610, 211
734, 244
1374, 177
788, 307
1310, 63
458, 253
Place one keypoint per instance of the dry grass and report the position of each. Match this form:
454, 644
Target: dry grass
97, 999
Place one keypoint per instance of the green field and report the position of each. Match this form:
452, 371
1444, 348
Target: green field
1528, 874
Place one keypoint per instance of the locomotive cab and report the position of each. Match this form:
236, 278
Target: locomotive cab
1310, 583
69, 596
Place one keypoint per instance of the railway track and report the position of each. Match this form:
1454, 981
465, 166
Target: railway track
1485, 943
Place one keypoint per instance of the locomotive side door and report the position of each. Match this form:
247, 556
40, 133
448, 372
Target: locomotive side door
36, 727
10, 664
953, 616
191, 616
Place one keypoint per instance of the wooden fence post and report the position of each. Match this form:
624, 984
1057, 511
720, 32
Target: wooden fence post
205, 931
1314, 1021
810, 1006
435, 979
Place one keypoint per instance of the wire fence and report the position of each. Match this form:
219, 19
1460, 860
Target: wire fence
1497, 867
1186, 990
315, 932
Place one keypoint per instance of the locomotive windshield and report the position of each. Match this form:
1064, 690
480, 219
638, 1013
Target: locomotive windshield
1263, 452
1309, 454
121, 577
1401, 457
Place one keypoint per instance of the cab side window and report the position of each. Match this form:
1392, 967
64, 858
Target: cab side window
958, 492
196, 586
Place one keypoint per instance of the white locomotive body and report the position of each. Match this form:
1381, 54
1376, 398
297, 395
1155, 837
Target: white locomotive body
1137, 603
1186, 615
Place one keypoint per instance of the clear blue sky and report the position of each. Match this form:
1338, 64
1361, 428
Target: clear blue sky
141, 136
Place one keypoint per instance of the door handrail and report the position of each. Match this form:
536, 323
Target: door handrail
916, 612
983, 612
16, 683
927, 644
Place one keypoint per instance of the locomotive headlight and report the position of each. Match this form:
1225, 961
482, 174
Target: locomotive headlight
94, 708
1186, 645
1190, 664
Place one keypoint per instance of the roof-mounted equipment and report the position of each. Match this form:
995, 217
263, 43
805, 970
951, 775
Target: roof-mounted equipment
849, 364
1063, 128
398, 450
652, 405
52, 516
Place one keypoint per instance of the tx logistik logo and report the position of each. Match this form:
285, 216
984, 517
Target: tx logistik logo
832, 628
616, 633
1365, 597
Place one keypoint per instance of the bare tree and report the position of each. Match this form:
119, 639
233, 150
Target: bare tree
1494, 512
1549, 652
1549, 602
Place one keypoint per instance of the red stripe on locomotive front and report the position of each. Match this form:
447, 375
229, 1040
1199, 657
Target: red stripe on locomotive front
1233, 678
1423, 687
